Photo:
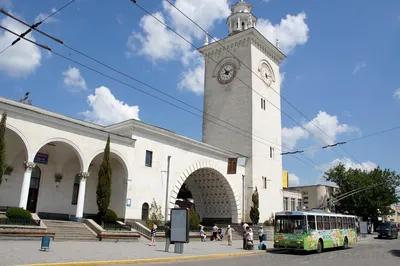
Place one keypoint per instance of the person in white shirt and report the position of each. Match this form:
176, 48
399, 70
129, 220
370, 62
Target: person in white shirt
215, 232
261, 234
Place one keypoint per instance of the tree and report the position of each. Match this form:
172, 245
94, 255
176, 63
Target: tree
155, 215
254, 212
3, 146
103, 192
371, 202
194, 219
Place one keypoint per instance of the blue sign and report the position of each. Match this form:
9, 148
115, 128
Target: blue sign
41, 158
128, 202
45, 243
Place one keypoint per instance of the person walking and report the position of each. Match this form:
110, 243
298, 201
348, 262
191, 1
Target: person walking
214, 233
261, 234
229, 232
153, 235
245, 226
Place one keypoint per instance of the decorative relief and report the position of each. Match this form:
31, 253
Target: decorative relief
84, 175
29, 165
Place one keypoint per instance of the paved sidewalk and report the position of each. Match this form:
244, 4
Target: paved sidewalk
28, 252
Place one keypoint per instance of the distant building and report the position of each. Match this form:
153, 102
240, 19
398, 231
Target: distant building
315, 196
395, 217
292, 200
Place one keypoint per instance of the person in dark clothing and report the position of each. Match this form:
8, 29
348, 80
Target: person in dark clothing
167, 236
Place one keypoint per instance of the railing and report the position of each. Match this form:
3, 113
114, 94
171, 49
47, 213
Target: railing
117, 226
23, 222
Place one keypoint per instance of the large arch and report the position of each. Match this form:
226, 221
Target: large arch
69, 143
215, 198
120, 175
23, 138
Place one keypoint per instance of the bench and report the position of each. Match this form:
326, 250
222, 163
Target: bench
30, 234
116, 236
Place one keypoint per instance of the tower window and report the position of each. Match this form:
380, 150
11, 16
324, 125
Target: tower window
271, 152
263, 105
264, 182
149, 158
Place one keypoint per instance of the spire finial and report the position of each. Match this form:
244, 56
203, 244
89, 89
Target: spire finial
277, 44
206, 39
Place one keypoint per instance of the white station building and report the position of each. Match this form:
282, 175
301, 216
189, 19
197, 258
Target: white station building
55, 159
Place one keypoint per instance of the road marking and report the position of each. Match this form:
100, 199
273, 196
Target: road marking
304, 262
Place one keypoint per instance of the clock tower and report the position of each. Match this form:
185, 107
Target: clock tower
239, 81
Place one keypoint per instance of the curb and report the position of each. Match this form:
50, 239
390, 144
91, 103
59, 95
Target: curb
153, 260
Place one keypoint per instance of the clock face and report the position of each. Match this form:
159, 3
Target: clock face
226, 72
267, 74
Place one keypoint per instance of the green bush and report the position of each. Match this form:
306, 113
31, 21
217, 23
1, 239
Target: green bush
194, 219
110, 216
18, 213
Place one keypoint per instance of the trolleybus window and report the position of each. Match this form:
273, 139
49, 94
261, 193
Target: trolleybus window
311, 222
290, 224
320, 225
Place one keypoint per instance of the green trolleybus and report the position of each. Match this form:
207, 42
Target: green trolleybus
314, 230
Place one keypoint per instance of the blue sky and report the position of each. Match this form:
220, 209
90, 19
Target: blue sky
340, 68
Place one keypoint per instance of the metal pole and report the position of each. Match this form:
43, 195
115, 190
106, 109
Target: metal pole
243, 198
166, 203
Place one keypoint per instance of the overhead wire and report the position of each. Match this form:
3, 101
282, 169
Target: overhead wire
217, 41
140, 90
278, 146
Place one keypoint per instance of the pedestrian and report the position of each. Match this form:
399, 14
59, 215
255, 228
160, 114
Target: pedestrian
214, 233
261, 234
245, 226
153, 235
167, 236
202, 234
229, 232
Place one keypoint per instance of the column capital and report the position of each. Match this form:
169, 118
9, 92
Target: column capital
29, 165
84, 175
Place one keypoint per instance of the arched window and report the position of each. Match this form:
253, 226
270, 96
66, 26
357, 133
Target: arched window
145, 211
75, 190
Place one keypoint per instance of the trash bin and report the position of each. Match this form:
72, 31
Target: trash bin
45, 243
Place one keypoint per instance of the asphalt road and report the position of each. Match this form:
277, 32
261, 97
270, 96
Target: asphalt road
375, 252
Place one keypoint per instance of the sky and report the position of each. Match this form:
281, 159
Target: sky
340, 71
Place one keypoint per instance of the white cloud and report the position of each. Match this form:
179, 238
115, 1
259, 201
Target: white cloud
348, 163
397, 93
42, 16
359, 66
74, 80
327, 123
21, 59
107, 110
291, 32
294, 180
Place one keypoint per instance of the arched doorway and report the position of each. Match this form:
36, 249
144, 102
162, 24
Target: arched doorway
145, 211
120, 175
211, 194
33, 194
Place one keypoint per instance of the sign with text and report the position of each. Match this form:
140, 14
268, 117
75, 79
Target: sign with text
232, 165
179, 225
41, 158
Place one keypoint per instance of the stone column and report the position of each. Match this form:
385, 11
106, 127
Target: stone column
81, 194
26, 182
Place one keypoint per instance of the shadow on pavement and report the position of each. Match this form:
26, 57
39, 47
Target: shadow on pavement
395, 252
300, 252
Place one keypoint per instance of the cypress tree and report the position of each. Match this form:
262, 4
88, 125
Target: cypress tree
103, 192
254, 212
3, 145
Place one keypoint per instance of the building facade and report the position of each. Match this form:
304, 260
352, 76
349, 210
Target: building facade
292, 200
55, 159
242, 86
315, 196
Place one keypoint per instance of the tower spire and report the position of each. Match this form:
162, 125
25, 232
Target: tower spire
241, 18
206, 39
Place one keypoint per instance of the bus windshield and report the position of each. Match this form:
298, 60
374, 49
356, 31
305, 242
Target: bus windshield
290, 224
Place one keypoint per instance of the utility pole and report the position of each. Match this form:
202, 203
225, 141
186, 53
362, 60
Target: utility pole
243, 176
166, 203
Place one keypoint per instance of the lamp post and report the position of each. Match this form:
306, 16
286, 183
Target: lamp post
243, 176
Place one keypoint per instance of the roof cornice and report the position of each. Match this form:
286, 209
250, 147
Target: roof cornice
40, 114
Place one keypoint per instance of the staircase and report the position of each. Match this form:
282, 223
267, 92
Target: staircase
65, 230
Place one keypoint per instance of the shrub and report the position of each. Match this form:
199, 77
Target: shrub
18, 213
155, 215
194, 219
109, 217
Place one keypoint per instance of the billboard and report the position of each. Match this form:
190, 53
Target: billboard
179, 225
285, 179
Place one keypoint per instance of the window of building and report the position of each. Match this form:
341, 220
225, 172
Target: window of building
285, 204
320, 224
271, 152
265, 182
75, 190
149, 158
299, 204
263, 105
311, 222
293, 204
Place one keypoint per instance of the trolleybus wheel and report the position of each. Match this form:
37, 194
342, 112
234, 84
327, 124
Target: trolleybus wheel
319, 246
